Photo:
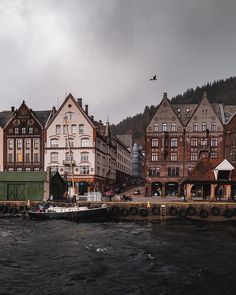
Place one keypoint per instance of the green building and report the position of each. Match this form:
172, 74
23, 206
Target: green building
22, 186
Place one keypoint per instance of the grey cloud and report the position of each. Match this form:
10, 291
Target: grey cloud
106, 50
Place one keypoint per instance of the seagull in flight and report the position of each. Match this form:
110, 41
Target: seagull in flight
154, 78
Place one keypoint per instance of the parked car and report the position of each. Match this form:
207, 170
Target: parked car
136, 192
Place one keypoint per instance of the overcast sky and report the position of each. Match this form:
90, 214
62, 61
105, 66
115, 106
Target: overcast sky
105, 51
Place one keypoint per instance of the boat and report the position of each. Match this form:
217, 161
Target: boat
74, 213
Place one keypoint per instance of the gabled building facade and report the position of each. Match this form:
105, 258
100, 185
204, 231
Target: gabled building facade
79, 148
179, 136
23, 139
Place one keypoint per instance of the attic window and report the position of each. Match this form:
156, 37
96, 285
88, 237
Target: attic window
69, 106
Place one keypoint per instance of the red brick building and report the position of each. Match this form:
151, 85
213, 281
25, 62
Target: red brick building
178, 136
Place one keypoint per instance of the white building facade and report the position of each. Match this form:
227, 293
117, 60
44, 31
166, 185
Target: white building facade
76, 149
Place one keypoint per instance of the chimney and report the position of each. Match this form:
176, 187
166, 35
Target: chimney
165, 95
79, 100
86, 108
12, 109
92, 117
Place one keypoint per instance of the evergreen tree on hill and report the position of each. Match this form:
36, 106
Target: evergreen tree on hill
221, 91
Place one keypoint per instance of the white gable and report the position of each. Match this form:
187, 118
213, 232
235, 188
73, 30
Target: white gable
225, 166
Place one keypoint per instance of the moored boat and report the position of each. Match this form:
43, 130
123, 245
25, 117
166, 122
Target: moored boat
74, 213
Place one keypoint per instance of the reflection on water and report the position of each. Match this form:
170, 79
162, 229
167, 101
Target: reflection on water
61, 257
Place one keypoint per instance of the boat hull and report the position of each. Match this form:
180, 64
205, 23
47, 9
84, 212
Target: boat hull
79, 215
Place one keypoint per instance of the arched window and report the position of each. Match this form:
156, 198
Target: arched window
84, 142
54, 143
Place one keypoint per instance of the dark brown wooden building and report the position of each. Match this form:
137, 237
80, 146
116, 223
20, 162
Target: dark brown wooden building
23, 139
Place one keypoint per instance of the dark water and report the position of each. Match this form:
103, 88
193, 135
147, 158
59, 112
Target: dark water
62, 257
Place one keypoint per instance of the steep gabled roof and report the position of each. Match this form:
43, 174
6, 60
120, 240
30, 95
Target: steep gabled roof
70, 96
164, 99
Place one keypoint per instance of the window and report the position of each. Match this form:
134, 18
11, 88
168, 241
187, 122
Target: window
85, 169
195, 126
214, 141
203, 141
233, 156
19, 144
154, 171
178, 110
193, 141
234, 141
10, 158
69, 157
16, 130
54, 157
173, 156
31, 130
173, 142
27, 157
84, 142
73, 129
10, 143
187, 110
58, 129
19, 157
36, 157
204, 126
69, 115
54, 143
155, 142
173, 127
36, 143
154, 157
213, 126
173, 171
155, 127
64, 129
27, 143
213, 155
23, 130
81, 129
164, 127
193, 157
84, 157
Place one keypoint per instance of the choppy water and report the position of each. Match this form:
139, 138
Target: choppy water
62, 257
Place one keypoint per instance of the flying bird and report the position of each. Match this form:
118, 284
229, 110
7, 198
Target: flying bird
154, 78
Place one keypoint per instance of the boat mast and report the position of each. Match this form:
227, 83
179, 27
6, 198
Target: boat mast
70, 155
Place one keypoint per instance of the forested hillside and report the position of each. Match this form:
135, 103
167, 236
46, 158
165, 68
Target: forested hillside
223, 91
